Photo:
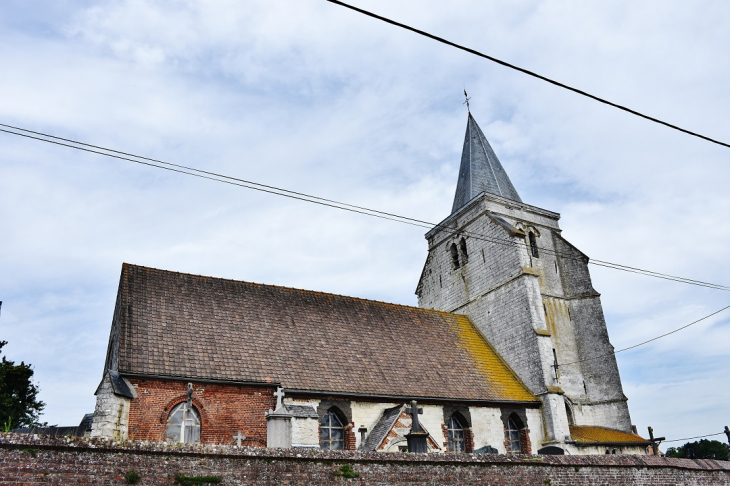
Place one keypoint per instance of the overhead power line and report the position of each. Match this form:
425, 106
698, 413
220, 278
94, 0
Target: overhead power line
217, 177
528, 72
698, 437
648, 340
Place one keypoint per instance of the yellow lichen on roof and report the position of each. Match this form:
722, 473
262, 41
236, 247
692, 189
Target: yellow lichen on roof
496, 374
594, 434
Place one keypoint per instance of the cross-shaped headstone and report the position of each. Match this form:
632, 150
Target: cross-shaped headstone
279, 394
239, 438
414, 411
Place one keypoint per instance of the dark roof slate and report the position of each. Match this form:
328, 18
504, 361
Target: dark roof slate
188, 326
86, 422
120, 386
302, 411
381, 428
480, 170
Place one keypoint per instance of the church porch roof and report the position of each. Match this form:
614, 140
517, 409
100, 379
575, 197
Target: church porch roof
595, 435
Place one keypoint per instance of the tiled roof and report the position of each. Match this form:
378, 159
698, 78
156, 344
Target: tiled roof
188, 326
590, 434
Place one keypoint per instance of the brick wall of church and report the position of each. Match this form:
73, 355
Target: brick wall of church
224, 410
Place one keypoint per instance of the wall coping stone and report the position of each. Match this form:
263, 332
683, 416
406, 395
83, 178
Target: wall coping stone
102, 445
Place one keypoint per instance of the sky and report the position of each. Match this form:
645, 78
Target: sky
312, 97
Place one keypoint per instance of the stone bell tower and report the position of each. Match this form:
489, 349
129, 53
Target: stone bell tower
506, 265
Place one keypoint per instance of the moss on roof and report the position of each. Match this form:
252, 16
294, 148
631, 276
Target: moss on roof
591, 434
188, 326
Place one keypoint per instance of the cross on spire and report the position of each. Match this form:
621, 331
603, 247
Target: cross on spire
467, 101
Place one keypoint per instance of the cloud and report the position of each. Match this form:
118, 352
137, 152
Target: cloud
319, 99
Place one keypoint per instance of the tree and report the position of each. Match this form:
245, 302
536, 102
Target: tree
19, 405
704, 449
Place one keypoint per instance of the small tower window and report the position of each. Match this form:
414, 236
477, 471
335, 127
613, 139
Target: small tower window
533, 244
454, 256
456, 435
464, 253
183, 425
331, 432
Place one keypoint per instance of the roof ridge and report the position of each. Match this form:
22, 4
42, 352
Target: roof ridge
284, 287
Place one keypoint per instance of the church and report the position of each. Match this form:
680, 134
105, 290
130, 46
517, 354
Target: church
507, 351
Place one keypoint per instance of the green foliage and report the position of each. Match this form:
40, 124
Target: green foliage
704, 449
19, 405
184, 480
132, 477
30, 450
346, 471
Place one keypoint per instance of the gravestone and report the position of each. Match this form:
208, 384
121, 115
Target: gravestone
238, 438
278, 424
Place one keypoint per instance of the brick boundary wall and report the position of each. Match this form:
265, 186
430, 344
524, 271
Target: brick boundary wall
25, 459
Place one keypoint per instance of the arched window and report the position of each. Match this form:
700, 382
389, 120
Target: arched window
331, 432
454, 255
512, 434
456, 435
533, 244
183, 425
464, 254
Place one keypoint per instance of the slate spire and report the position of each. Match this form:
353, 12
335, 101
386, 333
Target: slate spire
480, 170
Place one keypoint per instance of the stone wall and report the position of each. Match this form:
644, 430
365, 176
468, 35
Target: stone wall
111, 413
28, 460
534, 309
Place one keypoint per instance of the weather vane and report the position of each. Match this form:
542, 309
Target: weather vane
467, 101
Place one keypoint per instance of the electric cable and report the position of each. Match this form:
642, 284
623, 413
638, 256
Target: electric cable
352, 208
528, 72
690, 438
648, 340
424, 224
217, 177
272, 189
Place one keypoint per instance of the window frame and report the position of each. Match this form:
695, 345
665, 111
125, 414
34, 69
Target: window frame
533, 244
454, 442
464, 252
454, 250
512, 435
325, 431
190, 421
